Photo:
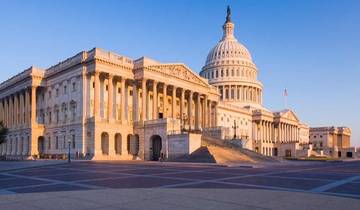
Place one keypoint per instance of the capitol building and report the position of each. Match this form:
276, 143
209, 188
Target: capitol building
106, 106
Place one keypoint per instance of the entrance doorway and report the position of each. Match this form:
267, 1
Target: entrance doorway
41, 145
156, 144
288, 153
161, 115
275, 151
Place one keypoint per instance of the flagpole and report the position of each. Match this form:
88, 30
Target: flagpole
285, 98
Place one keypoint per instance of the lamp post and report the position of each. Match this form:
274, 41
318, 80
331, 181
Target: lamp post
69, 142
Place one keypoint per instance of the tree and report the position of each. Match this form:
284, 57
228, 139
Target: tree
3, 132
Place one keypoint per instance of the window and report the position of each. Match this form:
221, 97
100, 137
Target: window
212, 74
56, 142
107, 87
227, 72
65, 89
49, 142
73, 110
232, 72
321, 144
64, 140
57, 115
73, 140
49, 94
50, 117
217, 73
119, 90
222, 73
57, 92
74, 86
232, 94
227, 94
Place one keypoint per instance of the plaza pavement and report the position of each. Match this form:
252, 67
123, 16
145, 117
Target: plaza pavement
146, 185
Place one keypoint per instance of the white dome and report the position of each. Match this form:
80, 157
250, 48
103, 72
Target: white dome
228, 49
230, 68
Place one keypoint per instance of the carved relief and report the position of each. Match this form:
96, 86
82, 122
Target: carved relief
178, 71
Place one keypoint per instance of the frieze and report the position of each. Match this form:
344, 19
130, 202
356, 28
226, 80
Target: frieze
180, 71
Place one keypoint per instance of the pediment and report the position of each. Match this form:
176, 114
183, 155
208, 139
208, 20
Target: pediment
289, 115
179, 71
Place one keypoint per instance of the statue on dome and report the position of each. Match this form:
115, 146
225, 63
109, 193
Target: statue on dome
228, 15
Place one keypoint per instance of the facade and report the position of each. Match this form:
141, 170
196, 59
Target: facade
332, 141
103, 105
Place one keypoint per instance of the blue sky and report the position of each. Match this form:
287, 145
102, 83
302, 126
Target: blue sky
310, 47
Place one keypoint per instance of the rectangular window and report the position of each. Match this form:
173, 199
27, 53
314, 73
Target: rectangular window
57, 92
65, 89
73, 140
49, 142
73, 86
57, 142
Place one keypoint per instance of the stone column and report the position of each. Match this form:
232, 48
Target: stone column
135, 102
215, 114
206, 112
197, 112
33, 105
143, 98
22, 109
124, 104
173, 102
235, 92
6, 114
110, 98
182, 106
1, 112
16, 110
97, 96
190, 109
27, 108
10, 110
164, 100
155, 98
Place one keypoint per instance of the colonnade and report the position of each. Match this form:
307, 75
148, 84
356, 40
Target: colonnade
18, 109
193, 108
288, 133
240, 92
283, 132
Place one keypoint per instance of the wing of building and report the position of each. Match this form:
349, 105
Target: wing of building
103, 105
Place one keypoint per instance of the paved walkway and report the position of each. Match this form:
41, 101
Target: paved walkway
149, 185
176, 199
16, 165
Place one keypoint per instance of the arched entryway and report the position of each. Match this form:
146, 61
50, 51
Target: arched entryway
41, 145
105, 143
118, 144
156, 146
133, 144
